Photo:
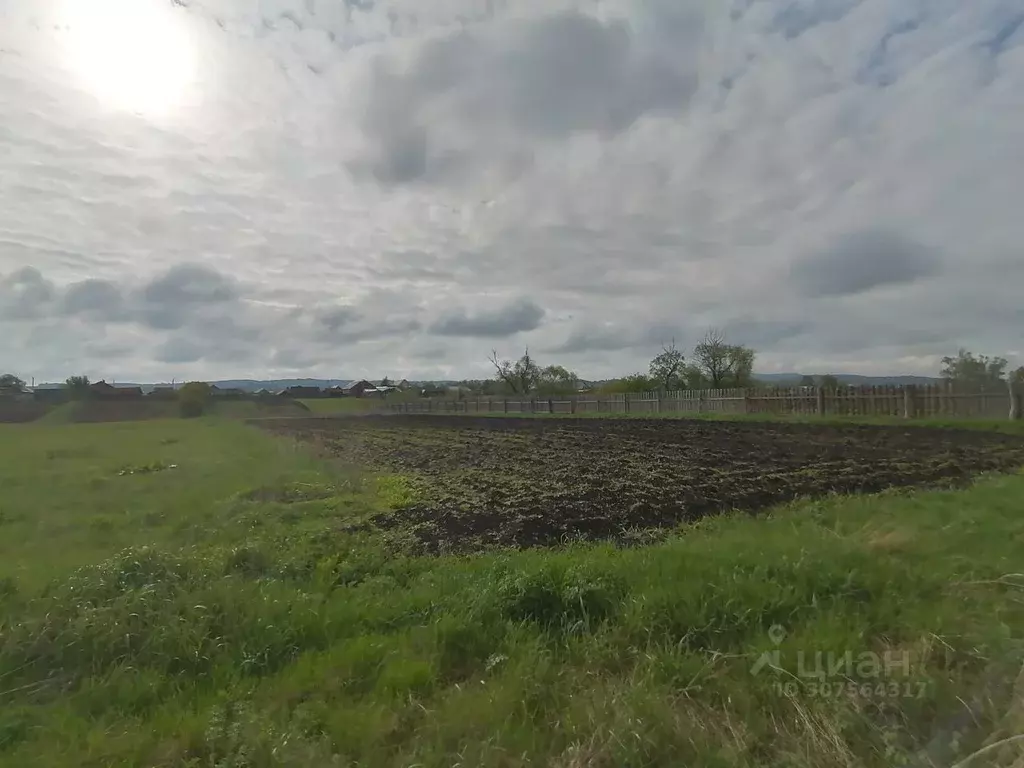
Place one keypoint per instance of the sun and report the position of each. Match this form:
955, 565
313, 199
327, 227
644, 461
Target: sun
135, 55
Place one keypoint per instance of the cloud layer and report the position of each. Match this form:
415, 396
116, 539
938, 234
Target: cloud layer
371, 188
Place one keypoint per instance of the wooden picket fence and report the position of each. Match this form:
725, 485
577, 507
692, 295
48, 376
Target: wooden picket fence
902, 401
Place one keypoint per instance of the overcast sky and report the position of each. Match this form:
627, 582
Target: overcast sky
346, 188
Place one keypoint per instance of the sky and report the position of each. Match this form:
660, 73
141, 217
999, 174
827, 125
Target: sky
345, 188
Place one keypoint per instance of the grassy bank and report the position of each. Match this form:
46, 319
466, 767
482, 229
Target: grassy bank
198, 593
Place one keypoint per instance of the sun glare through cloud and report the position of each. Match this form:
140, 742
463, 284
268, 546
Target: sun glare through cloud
134, 55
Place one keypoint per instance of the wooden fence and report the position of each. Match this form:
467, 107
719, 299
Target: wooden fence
909, 402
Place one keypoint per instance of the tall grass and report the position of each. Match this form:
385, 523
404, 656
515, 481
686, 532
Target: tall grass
236, 610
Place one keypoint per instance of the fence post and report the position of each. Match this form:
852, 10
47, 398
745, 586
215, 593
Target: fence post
551, 405
1015, 400
908, 401
505, 403
819, 405
572, 405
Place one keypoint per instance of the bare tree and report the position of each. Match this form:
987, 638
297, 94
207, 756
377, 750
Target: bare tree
721, 363
712, 357
520, 376
667, 366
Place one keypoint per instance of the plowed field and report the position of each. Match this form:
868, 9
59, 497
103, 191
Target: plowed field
484, 482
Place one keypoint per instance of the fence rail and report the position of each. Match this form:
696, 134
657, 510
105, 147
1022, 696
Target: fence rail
904, 401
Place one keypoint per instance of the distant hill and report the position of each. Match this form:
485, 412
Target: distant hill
247, 385
253, 385
849, 379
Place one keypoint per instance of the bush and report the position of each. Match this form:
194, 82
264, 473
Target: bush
192, 399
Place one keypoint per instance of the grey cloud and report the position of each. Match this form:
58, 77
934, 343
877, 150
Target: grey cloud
596, 336
595, 339
368, 322
172, 299
96, 298
515, 317
24, 294
543, 79
291, 358
411, 265
190, 284
380, 328
180, 349
217, 339
333, 320
398, 326
107, 350
761, 333
859, 262
795, 18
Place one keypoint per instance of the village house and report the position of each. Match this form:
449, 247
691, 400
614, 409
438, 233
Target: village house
226, 392
359, 388
299, 391
163, 392
103, 390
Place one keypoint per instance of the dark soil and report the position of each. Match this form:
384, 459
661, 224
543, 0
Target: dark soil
485, 482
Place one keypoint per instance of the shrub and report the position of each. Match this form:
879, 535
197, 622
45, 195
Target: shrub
192, 399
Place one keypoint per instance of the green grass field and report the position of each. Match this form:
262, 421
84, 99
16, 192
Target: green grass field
341, 405
197, 593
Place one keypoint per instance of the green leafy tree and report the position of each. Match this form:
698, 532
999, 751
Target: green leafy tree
193, 398
828, 381
557, 380
723, 364
520, 376
979, 371
77, 387
667, 368
806, 381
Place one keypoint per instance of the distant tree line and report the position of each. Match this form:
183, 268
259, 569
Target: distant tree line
714, 363
979, 371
